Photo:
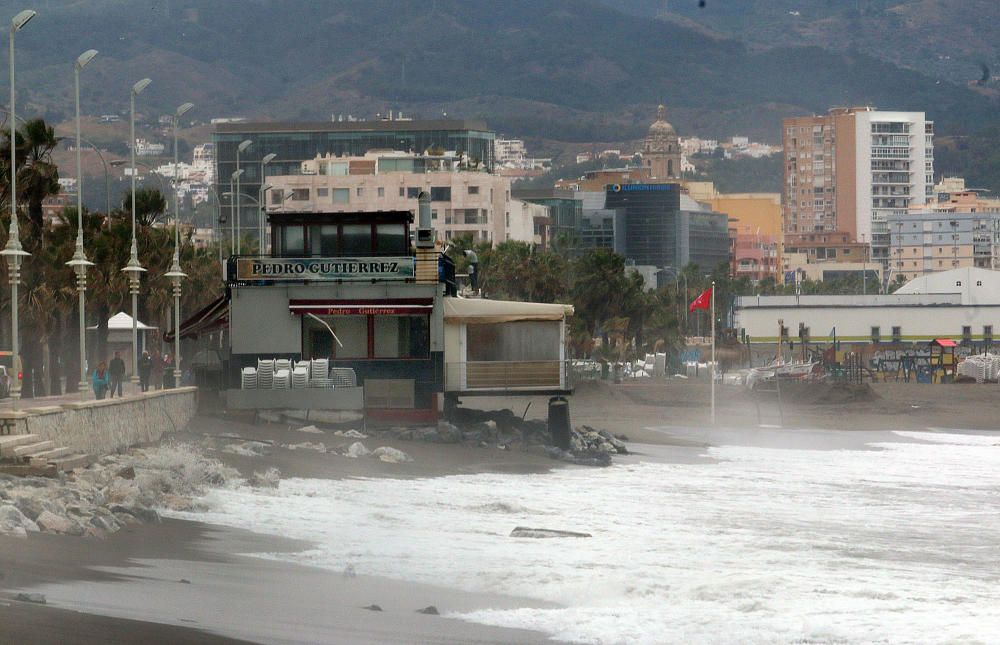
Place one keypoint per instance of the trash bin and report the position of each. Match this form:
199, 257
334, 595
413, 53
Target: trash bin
605, 371
559, 422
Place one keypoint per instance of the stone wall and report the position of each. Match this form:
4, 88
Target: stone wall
102, 427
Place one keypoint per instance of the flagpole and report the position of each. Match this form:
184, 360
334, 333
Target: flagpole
713, 353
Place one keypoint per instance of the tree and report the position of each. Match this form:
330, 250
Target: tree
150, 205
37, 175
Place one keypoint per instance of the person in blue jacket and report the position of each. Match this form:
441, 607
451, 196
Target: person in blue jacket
101, 380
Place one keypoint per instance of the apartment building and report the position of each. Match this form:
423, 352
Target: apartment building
463, 202
931, 241
849, 170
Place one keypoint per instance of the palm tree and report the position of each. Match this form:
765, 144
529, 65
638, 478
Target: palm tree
150, 205
37, 175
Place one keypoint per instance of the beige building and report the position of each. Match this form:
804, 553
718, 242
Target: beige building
463, 202
849, 170
931, 241
661, 150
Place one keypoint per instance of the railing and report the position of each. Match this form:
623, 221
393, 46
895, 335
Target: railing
507, 375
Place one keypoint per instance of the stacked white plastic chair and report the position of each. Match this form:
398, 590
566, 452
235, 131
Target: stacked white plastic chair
282, 379
319, 373
265, 374
282, 364
248, 378
343, 377
300, 376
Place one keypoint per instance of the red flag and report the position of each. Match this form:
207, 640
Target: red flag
704, 301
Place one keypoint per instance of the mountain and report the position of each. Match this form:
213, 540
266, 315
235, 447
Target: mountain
946, 39
567, 70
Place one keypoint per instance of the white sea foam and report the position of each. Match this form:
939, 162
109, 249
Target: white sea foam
897, 545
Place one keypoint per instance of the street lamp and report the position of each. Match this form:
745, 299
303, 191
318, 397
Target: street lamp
80, 261
13, 252
246, 143
234, 198
175, 274
133, 268
261, 217
266, 159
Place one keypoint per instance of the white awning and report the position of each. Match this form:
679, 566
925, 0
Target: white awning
122, 321
481, 310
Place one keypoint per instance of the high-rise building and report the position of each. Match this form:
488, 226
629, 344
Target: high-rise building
849, 170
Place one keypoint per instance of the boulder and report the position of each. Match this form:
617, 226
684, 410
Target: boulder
391, 455
430, 610
357, 449
52, 523
310, 429
127, 472
448, 433
351, 434
31, 597
11, 518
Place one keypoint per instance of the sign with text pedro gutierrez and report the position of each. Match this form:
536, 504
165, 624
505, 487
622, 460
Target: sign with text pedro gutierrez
324, 269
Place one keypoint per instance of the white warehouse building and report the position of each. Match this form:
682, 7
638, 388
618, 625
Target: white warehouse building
962, 304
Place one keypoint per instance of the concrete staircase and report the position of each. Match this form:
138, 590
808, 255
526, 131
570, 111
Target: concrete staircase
30, 454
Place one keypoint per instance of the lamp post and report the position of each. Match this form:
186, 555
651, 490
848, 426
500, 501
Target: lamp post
133, 268
234, 225
246, 143
175, 274
80, 261
266, 159
262, 233
13, 252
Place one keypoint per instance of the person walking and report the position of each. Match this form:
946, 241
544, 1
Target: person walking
145, 367
101, 380
116, 370
156, 374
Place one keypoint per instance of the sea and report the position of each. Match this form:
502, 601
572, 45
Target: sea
894, 538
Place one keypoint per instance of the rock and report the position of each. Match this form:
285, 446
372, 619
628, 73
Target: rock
31, 597
126, 473
123, 491
177, 502
267, 479
357, 449
52, 523
184, 581
351, 434
145, 515
11, 519
621, 437
525, 532
448, 433
431, 437
391, 455
430, 610
32, 507
307, 445
310, 429
15, 531
247, 448
373, 608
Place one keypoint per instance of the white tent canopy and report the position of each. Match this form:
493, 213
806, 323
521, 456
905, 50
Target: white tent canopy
121, 321
481, 310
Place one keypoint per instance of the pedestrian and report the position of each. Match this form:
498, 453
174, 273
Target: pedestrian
101, 380
145, 367
116, 370
156, 374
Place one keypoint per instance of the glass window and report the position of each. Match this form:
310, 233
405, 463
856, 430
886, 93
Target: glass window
322, 192
341, 195
277, 196
402, 192
412, 193
357, 239
338, 168
434, 214
440, 193
402, 337
391, 239
353, 333
300, 194
323, 240
381, 191
473, 190
359, 191
293, 240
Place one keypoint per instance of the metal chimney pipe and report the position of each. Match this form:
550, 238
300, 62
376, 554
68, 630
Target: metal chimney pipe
424, 210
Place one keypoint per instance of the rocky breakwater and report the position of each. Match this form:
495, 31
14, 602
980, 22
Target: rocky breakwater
504, 430
117, 491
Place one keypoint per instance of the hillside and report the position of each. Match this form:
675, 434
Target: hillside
566, 70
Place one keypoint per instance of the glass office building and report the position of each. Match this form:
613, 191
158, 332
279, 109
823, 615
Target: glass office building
293, 143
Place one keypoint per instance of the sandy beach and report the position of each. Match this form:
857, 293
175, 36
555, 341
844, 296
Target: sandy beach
186, 582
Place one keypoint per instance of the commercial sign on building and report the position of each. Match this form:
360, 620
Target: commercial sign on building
324, 269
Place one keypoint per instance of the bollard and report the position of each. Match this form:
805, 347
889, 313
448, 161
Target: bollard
559, 422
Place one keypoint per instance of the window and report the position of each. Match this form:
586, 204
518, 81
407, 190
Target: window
277, 197
434, 214
381, 191
356, 240
402, 192
966, 332
341, 195
440, 193
473, 190
323, 240
390, 239
353, 333
988, 332
322, 192
300, 194
293, 240
359, 191
897, 334
412, 193
958, 283
876, 334
401, 336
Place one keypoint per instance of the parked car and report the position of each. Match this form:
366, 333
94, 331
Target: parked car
4, 382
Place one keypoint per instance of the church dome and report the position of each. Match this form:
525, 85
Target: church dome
661, 134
